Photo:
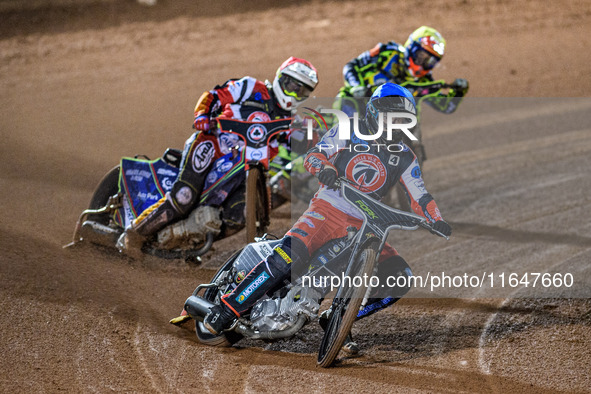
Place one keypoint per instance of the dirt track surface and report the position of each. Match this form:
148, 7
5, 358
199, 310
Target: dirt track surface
84, 85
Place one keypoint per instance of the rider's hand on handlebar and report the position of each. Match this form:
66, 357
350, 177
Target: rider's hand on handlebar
328, 176
202, 123
442, 227
461, 86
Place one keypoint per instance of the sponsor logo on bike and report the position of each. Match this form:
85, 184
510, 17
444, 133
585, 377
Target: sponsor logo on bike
366, 209
256, 154
167, 183
223, 165
252, 287
228, 140
166, 171
212, 177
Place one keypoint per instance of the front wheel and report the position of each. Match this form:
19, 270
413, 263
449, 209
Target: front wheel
345, 308
256, 208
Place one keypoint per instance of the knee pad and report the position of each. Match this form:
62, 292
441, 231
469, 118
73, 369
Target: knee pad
183, 197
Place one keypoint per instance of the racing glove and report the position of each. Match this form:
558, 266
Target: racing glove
328, 176
442, 227
460, 86
201, 123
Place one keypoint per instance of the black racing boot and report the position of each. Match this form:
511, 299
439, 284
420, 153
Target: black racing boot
350, 346
219, 319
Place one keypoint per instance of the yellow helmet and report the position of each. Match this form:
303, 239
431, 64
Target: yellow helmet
424, 49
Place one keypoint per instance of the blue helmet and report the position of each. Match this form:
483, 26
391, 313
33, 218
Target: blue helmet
388, 97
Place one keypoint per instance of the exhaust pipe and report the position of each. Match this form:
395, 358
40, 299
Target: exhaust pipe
197, 307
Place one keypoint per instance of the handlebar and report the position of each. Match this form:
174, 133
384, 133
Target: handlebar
432, 86
428, 226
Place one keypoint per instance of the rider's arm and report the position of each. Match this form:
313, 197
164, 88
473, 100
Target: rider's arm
448, 102
421, 202
319, 156
233, 91
354, 70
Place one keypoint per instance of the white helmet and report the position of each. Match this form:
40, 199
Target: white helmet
294, 81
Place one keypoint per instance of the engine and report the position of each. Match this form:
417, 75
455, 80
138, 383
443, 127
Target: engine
194, 228
276, 314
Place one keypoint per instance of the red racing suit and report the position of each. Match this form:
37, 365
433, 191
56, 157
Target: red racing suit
241, 99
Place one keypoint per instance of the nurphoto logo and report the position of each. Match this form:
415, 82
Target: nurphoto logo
344, 129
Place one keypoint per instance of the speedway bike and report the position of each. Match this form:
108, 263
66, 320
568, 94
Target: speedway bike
289, 307
238, 179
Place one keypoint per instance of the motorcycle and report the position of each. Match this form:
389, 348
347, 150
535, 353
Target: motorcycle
236, 194
291, 306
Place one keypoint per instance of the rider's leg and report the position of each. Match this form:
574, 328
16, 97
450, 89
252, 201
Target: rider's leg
319, 224
394, 273
198, 156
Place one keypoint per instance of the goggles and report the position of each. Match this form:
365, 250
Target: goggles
425, 59
293, 88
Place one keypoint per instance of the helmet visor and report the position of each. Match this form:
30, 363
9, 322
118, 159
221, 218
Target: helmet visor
294, 88
425, 59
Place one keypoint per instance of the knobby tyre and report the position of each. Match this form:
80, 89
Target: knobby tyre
345, 309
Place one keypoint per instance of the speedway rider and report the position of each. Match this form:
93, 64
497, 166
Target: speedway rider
329, 214
241, 99
409, 66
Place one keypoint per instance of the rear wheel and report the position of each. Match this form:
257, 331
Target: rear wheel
107, 187
256, 204
203, 335
345, 309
